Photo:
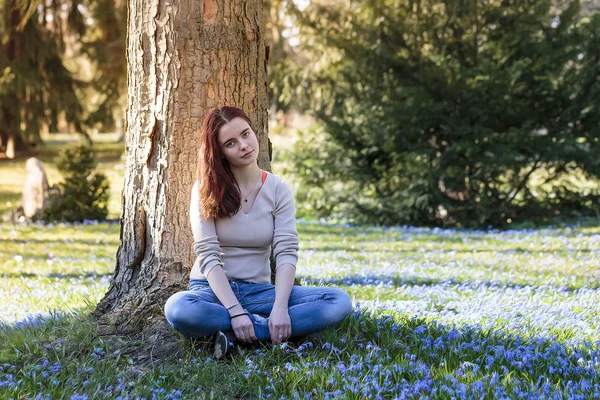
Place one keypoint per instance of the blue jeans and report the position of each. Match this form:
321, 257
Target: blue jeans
198, 312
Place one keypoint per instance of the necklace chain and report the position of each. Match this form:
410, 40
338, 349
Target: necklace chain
246, 197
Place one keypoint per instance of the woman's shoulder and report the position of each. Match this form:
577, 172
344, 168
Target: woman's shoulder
277, 182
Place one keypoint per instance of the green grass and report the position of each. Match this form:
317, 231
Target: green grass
414, 286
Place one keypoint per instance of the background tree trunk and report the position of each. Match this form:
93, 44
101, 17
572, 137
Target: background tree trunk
184, 58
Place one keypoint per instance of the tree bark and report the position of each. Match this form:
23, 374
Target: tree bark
185, 58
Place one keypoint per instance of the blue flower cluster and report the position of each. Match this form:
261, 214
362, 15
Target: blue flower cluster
424, 359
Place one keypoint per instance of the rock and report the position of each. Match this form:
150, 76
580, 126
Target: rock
35, 190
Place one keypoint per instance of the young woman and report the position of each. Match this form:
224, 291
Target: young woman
238, 214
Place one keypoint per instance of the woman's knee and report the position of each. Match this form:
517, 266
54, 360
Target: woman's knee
175, 308
344, 302
341, 304
189, 315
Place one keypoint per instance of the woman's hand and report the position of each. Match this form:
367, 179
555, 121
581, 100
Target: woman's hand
243, 329
280, 325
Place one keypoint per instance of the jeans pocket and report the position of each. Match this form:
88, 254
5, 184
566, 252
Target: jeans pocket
203, 290
196, 284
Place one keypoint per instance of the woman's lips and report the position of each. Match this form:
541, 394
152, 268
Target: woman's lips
247, 154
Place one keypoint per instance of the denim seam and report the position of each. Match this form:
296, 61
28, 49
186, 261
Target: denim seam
207, 297
320, 295
297, 306
237, 295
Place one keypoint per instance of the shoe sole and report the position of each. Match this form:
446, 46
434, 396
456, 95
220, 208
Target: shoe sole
220, 347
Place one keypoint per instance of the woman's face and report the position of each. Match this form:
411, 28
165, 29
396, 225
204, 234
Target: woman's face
238, 143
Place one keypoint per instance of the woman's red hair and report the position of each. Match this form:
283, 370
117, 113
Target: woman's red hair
219, 192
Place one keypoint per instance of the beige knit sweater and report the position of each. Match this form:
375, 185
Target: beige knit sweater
241, 244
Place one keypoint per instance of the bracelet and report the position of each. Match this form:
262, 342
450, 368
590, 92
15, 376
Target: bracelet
237, 315
233, 305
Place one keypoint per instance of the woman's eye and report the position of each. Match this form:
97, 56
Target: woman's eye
229, 144
245, 134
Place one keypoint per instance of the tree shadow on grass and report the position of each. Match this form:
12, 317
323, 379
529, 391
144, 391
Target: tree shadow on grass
38, 241
77, 330
81, 275
407, 280
468, 250
368, 234
363, 347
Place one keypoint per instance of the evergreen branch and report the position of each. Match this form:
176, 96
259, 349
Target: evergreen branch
524, 181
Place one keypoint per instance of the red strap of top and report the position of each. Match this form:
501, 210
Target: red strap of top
264, 176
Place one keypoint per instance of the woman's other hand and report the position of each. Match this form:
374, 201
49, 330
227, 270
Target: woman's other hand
243, 329
280, 325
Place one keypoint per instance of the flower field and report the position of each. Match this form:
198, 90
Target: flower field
439, 313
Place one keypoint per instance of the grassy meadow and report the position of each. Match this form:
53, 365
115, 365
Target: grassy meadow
108, 156
439, 313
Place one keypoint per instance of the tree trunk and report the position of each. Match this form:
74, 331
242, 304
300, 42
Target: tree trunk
12, 145
185, 57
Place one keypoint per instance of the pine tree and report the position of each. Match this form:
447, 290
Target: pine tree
448, 112
36, 87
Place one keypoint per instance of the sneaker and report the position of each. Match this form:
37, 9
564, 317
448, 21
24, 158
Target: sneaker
222, 345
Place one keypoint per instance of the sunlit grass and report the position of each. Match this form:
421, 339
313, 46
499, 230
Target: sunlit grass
54, 266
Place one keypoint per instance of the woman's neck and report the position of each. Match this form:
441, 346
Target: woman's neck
247, 175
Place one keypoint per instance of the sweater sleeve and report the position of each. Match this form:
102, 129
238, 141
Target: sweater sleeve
206, 244
285, 235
